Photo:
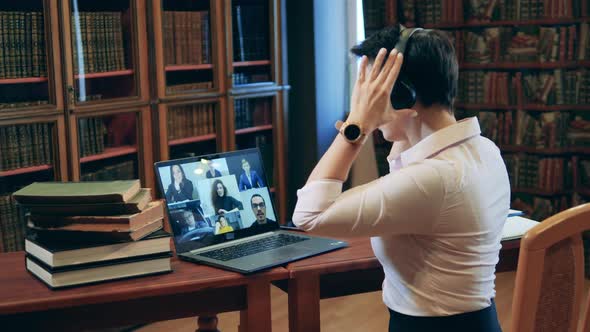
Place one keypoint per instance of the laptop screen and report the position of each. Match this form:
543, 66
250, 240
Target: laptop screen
216, 198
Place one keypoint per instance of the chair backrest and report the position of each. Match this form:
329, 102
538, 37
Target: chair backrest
549, 284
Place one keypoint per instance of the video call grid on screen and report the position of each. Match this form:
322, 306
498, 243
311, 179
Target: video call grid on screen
211, 197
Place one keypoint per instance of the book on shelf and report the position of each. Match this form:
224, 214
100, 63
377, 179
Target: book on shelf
71, 253
97, 232
250, 38
186, 36
116, 171
191, 120
547, 87
25, 145
539, 208
252, 112
135, 205
549, 175
415, 12
97, 42
67, 276
173, 88
78, 192
22, 45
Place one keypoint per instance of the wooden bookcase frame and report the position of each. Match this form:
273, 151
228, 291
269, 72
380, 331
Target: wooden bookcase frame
217, 32
144, 150
391, 14
150, 103
139, 52
221, 124
274, 51
59, 143
279, 175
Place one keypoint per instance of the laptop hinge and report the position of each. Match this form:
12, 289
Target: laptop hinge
231, 243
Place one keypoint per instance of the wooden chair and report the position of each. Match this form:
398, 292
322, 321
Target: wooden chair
549, 284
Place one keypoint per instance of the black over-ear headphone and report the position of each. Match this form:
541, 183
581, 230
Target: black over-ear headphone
403, 94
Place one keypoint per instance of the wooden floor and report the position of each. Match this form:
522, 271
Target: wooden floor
363, 312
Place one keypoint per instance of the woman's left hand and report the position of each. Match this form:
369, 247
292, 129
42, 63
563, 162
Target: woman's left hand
370, 96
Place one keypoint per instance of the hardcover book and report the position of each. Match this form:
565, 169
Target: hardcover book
59, 253
135, 205
78, 192
154, 211
80, 275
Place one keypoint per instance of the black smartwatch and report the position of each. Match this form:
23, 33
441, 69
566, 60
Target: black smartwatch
351, 131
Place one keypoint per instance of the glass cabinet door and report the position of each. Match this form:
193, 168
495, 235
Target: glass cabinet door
187, 46
192, 129
254, 128
26, 156
104, 50
251, 42
24, 81
107, 147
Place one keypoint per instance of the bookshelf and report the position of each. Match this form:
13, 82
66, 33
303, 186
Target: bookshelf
230, 88
105, 51
97, 94
523, 71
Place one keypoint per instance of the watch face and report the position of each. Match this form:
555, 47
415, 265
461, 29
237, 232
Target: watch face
352, 132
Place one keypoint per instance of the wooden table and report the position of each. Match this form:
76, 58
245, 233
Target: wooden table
26, 304
346, 271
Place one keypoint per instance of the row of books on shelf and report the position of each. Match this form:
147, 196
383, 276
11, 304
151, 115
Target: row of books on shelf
247, 78
533, 172
252, 112
125, 170
98, 42
12, 225
544, 130
91, 135
540, 208
22, 45
250, 38
191, 120
414, 12
80, 233
23, 104
373, 12
25, 145
524, 44
172, 88
556, 87
187, 37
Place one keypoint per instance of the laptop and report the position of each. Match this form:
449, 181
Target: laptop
221, 214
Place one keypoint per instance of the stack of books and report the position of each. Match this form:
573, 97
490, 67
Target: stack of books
87, 232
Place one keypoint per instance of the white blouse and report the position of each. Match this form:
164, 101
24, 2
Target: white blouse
436, 220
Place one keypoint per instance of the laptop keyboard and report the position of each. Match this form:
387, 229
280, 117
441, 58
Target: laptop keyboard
253, 247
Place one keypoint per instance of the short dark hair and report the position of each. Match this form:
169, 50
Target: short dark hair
257, 195
430, 62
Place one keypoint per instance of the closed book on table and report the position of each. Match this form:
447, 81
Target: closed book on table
60, 253
154, 211
101, 271
137, 204
78, 192
108, 234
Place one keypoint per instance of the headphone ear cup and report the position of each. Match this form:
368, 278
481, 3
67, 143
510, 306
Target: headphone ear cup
402, 96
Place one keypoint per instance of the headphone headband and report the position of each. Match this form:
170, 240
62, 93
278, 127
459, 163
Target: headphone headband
405, 36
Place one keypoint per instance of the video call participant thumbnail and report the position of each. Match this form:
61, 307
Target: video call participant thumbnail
249, 178
259, 209
222, 202
181, 188
222, 226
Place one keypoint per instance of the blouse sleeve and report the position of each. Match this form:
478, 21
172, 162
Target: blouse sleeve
405, 202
